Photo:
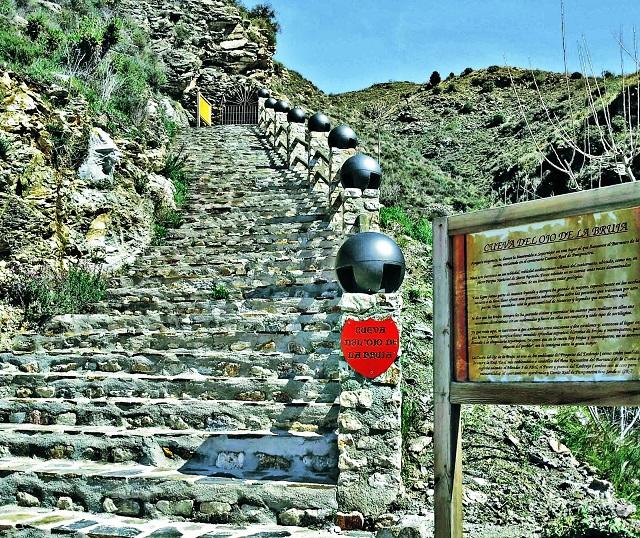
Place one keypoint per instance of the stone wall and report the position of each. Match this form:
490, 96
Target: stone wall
369, 432
205, 44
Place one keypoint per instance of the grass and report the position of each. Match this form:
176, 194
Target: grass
585, 524
174, 169
419, 229
600, 446
219, 291
159, 234
5, 147
103, 56
45, 294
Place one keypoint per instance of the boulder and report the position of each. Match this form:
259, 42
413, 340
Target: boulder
101, 160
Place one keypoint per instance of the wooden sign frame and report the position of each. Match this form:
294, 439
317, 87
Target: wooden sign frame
450, 395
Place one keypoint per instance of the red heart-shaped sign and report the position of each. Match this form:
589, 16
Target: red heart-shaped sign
370, 346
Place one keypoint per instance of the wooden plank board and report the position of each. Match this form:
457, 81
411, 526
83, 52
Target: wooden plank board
579, 203
446, 435
603, 393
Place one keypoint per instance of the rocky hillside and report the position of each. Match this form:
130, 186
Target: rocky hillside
465, 142
213, 45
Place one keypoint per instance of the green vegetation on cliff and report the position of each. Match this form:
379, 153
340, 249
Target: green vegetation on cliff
85, 44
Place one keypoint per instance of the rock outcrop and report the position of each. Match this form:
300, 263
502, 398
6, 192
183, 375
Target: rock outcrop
205, 44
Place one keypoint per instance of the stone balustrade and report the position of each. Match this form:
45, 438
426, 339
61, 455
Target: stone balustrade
281, 140
297, 148
369, 433
318, 144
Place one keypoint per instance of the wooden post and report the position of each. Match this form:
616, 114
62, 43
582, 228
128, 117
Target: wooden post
447, 434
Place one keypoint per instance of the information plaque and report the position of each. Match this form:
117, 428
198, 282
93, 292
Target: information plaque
536, 303
550, 301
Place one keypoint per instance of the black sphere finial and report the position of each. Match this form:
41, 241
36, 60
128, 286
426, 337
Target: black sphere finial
370, 262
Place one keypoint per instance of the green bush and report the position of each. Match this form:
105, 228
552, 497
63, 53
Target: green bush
583, 524
435, 78
467, 71
174, 169
264, 16
467, 107
487, 86
48, 293
17, 49
7, 7
420, 229
219, 291
496, 120
600, 445
5, 147
159, 234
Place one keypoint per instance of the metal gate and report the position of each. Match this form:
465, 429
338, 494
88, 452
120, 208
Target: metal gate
242, 114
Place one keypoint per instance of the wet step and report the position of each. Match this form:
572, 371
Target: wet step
95, 385
148, 491
66, 522
207, 415
247, 363
271, 455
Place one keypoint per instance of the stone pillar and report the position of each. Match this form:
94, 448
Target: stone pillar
269, 124
359, 211
297, 152
337, 157
318, 144
281, 124
261, 113
369, 435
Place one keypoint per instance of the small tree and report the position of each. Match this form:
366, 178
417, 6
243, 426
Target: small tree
604, 141
379, 114
435, 78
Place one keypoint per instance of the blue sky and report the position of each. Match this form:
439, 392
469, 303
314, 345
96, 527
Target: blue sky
344, 45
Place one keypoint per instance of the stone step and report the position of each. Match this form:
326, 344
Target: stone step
211, 363
242, 224
298, 248
239, 285
196, 301
204, 289
251, 321
201, 234
201, 254
263, 455
207, 415
146, 491
185, 386
173, 267
299, 343
22, 522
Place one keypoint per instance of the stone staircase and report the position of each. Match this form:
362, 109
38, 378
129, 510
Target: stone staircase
171, 403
